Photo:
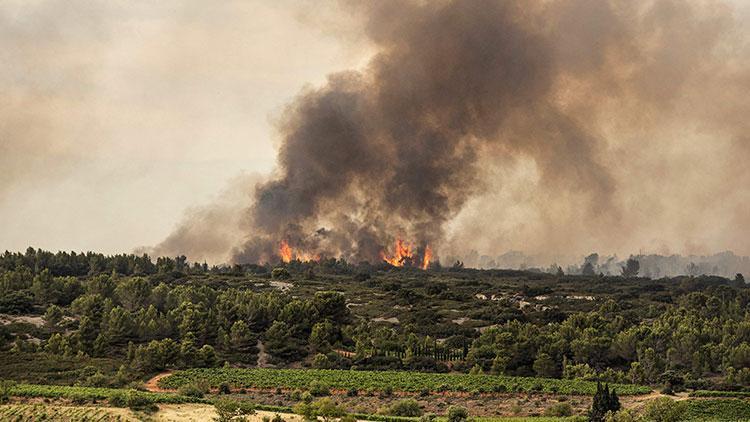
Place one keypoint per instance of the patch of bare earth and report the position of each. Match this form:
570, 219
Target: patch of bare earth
153, 383
204, 412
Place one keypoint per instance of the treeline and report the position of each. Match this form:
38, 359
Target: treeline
82, 264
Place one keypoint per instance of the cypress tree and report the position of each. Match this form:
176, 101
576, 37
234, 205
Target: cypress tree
604, 402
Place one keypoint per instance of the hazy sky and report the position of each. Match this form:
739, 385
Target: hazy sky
117, 115
121, 122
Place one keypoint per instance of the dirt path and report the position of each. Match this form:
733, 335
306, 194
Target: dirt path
153, 383
637, 401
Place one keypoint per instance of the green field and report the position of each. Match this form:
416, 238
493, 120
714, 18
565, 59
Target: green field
40, 412
381, 380
712, 393
92, 394
718, 410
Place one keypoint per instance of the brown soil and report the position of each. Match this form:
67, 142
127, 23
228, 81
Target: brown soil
153, 383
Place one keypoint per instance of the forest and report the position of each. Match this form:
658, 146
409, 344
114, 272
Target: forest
115, 321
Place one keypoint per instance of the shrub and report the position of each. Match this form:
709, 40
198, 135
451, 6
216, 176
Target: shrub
6, 386
318, 389
277, 418
352, 392
427, 417
457, 414
664, 409
387, 391
499, 388
224, 388
79, 398
280, 273
323, 408
559, 410
138, 401
228, 409
623, 415
406, 407
118, 399
96, 380
194, 389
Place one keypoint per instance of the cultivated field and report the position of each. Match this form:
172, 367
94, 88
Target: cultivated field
400, 381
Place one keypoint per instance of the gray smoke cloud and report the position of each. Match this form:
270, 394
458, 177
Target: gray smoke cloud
552, 126
393, 150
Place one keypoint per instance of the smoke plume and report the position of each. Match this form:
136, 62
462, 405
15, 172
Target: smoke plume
559, 126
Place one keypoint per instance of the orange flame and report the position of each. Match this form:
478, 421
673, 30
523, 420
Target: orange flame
427, 257
405, 253
285, 252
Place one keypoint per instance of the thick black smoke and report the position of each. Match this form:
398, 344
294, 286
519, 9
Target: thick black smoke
593, 92
392, 151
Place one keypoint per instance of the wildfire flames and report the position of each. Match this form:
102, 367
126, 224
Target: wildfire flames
405, 255
427, 257
287, 254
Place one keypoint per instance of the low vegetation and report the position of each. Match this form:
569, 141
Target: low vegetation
93, 394
42, 412
413, 382
93, 328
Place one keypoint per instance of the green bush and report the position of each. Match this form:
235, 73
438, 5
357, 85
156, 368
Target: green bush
6, 387
623, 415
194, 389
427, 417
118, 399
318, 389
228, 409
224, 388
348, 418
457, 414
664, 409
559, 410
324, 408
406, 407
139, 401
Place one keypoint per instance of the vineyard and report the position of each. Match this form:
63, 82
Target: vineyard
713, 393
40, 412
93, 394
413, 382
718, 410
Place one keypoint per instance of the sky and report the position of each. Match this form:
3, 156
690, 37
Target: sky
128, 124
118, 116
